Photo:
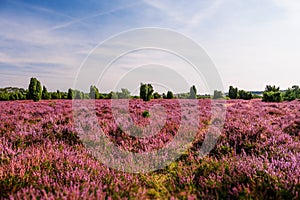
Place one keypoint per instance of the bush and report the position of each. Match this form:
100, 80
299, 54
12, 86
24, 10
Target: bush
14, 96
146, 91
170, 95
289, 95
292, 93
272, 94
273, 88
245, 95
112, 95
71, 94
272, 97
146, 114
45, 94
35, 90
4, 96
156, 95
233, 93
94, 92
54, 95
296, 91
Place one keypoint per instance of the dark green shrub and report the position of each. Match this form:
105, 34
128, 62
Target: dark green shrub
272, 94
272, 97
170, 95
156, 95
292, 93
13, 96
71, 94
146, 114
245, 95
289, 95
34, 90
233, 93
296, 91
45, 94
146, 91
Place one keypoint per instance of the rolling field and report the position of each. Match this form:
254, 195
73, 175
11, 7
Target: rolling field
257, 155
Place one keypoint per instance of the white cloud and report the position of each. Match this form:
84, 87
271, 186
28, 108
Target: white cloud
26, 50
188, 13
292, 10
97, 14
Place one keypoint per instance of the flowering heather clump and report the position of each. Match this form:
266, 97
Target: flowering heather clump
257, 155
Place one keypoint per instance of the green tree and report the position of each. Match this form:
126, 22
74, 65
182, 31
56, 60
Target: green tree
292, 93
156, 95
170, 95
20, 95
58, 94
112, 95
13, 96
272, 94
94, 92
53, 95
245, 95
45, 93
289, 95
86, 95
70, 94
35, 90
193, 92
78, 94
233, 92
146, 91
4, 96
64, 95
296, 90
273, 88
101, 96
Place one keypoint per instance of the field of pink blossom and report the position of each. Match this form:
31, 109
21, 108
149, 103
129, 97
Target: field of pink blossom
257, 155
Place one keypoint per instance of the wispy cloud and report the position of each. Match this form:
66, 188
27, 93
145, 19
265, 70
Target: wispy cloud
39, 8
97, 14
27, 50
206, 13
32, 44
185, 12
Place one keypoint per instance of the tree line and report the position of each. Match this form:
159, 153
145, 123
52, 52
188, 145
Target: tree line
270, 94
37, 92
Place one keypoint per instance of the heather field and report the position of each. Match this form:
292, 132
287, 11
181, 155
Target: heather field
257, 155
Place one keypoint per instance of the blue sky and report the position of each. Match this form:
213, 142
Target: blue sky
252, 43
